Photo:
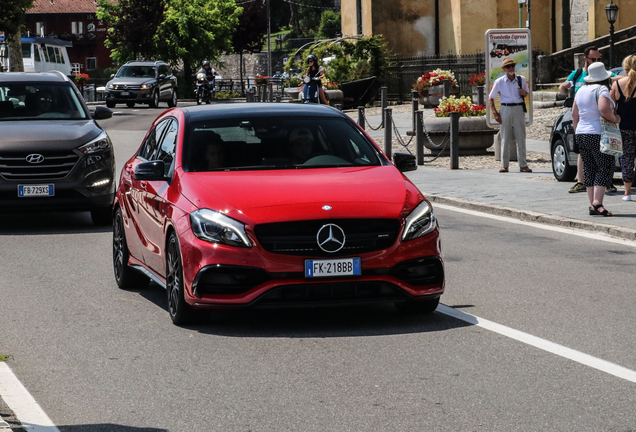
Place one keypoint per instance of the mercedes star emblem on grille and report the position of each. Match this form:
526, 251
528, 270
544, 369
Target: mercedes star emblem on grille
331, 238
35, 158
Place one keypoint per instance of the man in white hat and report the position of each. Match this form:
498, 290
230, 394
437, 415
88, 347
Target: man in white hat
512, 89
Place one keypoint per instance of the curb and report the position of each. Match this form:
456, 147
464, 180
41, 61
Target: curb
530, 216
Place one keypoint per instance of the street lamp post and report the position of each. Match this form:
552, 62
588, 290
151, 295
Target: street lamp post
611, 10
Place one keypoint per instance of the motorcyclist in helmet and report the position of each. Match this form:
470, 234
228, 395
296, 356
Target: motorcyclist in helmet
316, 71
208, 70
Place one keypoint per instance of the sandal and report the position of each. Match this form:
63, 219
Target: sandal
592, 211
604, 213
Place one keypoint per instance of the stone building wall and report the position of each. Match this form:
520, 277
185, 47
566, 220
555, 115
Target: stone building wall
253, 64
579, 22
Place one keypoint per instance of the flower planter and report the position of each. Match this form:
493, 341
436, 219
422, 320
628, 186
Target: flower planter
435, 93
474, 135
260, 81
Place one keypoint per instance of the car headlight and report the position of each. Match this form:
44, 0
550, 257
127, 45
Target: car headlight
419, 222
102, 142
147, 86
215, 227
110, 86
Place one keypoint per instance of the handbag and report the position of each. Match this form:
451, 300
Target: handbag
611, 140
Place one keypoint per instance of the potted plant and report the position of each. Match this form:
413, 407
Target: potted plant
477, 81
81, 79
260, 80
430, 86
474, 134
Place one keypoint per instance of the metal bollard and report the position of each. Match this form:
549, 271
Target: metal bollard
446, 88
419, 137
249, 95
278, 98
384, 101
270, 92
481, 100
361, 121
415, 106
454, 140
388, 137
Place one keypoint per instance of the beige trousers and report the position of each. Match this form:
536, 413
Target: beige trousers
513, 121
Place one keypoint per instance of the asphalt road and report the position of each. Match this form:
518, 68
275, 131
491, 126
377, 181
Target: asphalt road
97, 358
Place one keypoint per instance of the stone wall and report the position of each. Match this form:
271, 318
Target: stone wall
253, 64
578, 22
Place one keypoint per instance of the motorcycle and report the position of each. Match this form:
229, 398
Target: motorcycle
311, 91
204, 90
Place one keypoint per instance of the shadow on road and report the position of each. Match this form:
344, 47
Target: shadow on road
49, 223
107, 427
312, 322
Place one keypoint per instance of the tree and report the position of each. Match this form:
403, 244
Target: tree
175, 31
133, 28
251, 32
329, 25
12, 17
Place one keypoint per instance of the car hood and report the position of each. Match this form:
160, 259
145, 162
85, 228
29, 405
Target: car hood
273, 196
41, 135
131, 81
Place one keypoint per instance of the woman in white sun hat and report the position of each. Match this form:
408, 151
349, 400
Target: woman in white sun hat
592, 102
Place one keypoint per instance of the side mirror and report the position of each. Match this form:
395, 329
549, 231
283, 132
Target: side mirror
162, 76
150, 171
568, 102
101, 113
404, 162
112, 76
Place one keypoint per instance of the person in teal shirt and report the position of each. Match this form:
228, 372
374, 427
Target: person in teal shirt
577, 79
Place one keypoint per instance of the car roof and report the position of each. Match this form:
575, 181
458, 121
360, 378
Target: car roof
144, 63
53, 76
273, 109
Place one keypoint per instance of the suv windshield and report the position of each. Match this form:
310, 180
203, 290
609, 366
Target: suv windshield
276, 143
29, 101
136, 72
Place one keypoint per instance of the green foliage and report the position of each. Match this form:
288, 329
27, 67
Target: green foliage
329, 25
227, 94
352, 60
5, 357
251, 32
12, 15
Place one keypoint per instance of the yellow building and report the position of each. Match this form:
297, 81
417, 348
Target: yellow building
427, 27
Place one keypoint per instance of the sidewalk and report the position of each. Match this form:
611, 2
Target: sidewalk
535, 196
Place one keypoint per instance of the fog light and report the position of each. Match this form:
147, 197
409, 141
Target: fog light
99, 183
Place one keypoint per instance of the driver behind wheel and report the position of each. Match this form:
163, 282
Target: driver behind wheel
301, 145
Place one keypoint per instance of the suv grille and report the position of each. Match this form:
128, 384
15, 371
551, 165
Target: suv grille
300, 238
126, 87
55, 166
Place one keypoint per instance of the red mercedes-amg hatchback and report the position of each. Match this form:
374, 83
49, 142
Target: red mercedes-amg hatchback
272, 204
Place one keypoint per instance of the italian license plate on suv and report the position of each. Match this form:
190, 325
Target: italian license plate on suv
332, 267
36, 190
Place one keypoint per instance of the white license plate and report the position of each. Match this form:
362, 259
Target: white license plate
332, 267
36, 190
125, 93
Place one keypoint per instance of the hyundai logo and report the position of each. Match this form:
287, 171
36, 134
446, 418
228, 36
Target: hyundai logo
35, 158
331, 238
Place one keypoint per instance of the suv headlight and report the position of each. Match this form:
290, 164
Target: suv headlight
419, 222
147, 86
102, 142
215, 227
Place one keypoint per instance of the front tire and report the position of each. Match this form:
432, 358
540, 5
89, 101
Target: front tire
125, 276
110, 104
199, 96
154, 102
180, 312
561, 167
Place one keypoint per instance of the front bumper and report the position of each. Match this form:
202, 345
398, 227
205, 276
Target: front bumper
141, 96
219, 276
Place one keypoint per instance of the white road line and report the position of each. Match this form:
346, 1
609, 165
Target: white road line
551, 347
24, 406
571, 231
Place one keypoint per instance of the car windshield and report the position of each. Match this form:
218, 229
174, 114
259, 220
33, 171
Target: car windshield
276, 143
136, 72
34, 101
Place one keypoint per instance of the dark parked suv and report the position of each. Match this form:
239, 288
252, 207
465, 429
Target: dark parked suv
142, 82
53, 155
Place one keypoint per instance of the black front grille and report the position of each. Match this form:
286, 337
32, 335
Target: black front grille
55, 166
300, 238
126, 87
336, 292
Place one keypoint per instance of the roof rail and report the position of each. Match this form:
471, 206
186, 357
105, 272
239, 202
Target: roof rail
61, 74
